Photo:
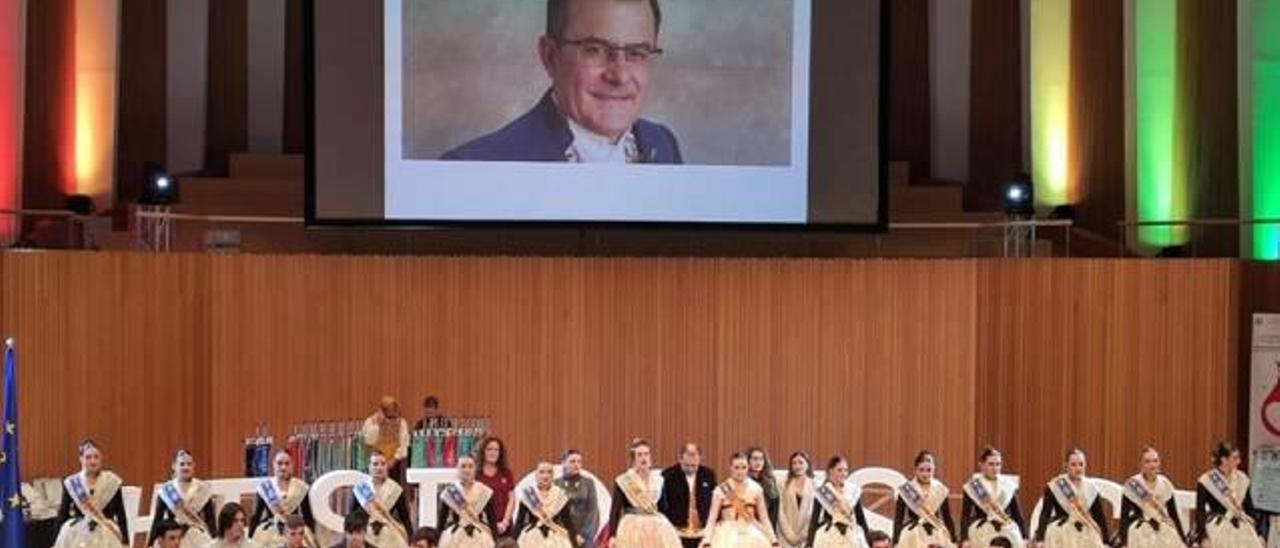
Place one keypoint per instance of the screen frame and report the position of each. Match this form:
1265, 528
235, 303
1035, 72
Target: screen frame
881, 224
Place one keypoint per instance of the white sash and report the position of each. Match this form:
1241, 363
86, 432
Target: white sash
1229, 492
91, 504
1076, 503
1151, 501
376, 502
839, 503
925, 505
544, 510
634, 489
992, 501
467, 508
186, 506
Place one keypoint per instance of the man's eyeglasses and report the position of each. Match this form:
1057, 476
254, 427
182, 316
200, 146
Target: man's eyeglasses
598, 51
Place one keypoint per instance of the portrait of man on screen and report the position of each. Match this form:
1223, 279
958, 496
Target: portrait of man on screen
598, 55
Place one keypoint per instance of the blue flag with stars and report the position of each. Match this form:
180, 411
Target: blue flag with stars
14, 528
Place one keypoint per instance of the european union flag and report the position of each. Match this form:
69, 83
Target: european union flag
14, 534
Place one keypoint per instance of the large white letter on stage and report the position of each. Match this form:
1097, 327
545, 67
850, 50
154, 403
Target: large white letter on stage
322, 494
430, 480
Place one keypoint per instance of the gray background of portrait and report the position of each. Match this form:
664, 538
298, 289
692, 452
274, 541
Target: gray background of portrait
723, 85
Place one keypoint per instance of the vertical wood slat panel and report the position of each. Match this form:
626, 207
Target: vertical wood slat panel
1096, 153
1207, 140
143, 97
295, 127
1100, 356
910, 126
227, 113
110, 349
874, 359
712, 339
48, 137
995, 102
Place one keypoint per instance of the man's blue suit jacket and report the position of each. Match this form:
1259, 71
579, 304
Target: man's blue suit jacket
542, 135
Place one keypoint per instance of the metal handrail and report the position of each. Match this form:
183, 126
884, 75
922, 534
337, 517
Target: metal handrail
1200, 222
161, 218
74, 221
219, 218
892, 226
60, 213
1051, 223
1192, 224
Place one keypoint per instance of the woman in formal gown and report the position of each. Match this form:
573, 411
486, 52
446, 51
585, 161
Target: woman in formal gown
1071, 514
839, 520
739, 516
232, 531
92, 509
383, 500
1148, 511
279, 497
634, 519
1225, 515
187, 501
921, 517
543, 520
463, 520
760, 470
795, 504
991, 508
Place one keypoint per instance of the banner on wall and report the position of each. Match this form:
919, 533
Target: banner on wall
1264, 411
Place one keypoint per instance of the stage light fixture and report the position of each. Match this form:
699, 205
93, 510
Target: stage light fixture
158, 187
1019, 197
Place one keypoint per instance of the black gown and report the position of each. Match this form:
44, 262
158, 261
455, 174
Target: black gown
1130, 514
904, 517
971, 513
823, 520
1208, 509
262, 515
621, 505
114, 511
1052, 512
447, 519
399, 512
526, 521
164, 513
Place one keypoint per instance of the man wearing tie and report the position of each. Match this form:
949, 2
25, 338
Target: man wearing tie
686, 495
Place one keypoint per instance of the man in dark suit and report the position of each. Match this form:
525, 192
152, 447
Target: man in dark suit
686, 495
598, 55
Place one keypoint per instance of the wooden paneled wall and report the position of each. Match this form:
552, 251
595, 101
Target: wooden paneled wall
875, 359
1108, 356
112, 347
